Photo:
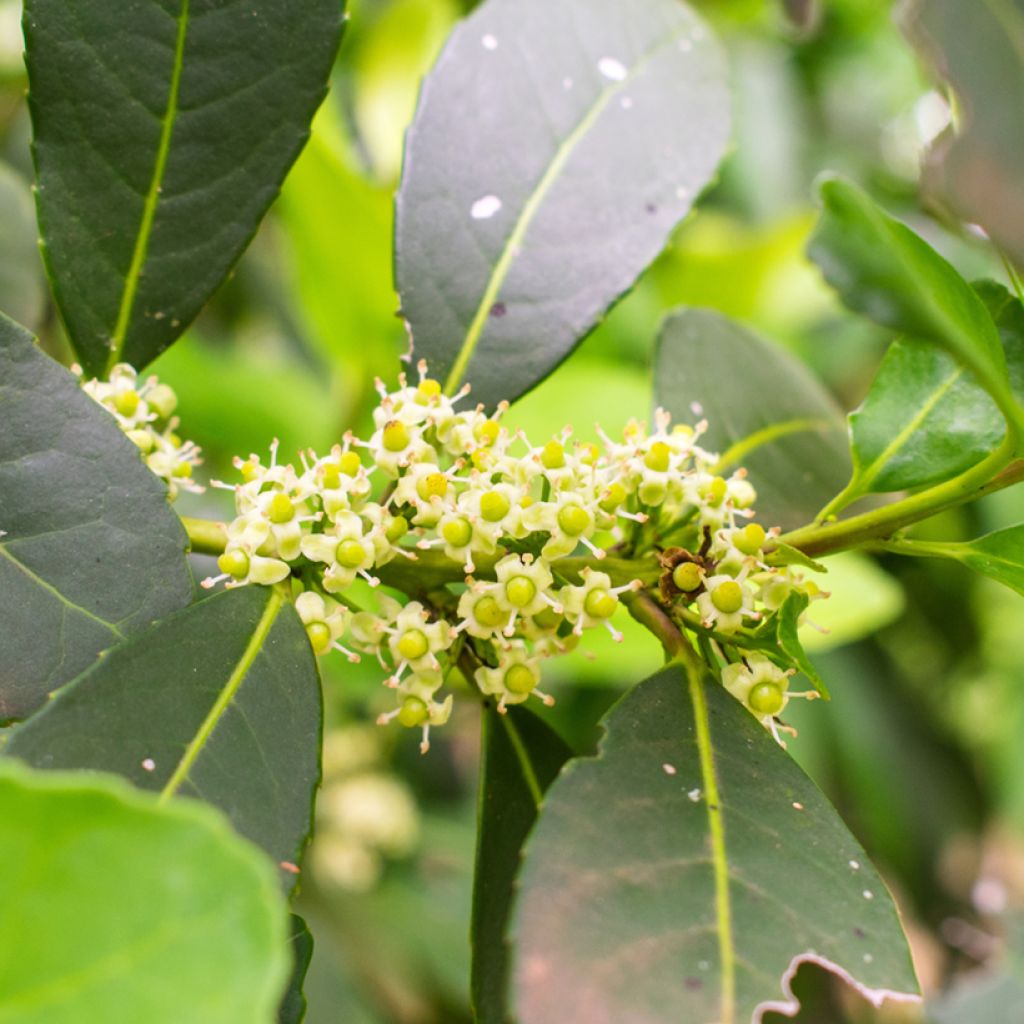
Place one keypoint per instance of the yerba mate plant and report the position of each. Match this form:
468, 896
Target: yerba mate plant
684, 871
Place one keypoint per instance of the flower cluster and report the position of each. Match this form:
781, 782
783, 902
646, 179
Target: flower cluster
510, 518
145, 412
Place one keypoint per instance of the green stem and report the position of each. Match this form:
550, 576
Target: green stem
882, 522
921, 548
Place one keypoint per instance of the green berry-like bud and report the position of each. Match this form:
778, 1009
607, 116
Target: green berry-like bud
494, 506
766, 698
126, 402
248, 471
658, 457
428, 389
162, 400
434, 485
599, 604
281, 509
519, 679
350, 554
613, 498
488, 612
750, 539
142, 439
553, 455
547, 618
396, 528
413, 712
331, 476
412, 644
183, 470
687, 576
716, 491
727, 597
350, 463
487, 432
319, 636
396, 436
520, 591
573, 520
234, 563
457, 532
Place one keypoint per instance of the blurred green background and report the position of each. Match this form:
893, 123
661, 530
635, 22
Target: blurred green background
922, 748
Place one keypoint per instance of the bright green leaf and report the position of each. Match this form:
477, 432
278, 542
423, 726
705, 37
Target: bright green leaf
882, 269
121, 911
682, 874
979, 49
22, 294
787, 625
163, 130
765, 412
219, 702
926, 419
521, 757
509, 247
90, 552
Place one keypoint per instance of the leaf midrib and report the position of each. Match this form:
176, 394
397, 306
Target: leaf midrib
226, 696
534, 201
745, 445
141, 249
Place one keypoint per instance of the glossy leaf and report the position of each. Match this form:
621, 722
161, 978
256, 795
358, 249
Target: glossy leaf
926, 419
90, 551
790, 643
882, 269
978, 171
22, 295
162, 132
998, 555
293, 1006
119, 910
219, 702
510, 246
682, 874
765, 412
521, 757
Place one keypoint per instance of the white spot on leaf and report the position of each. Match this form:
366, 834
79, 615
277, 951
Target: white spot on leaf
668, 769
149, 764
855, 864
612, 69
695, 795
485, 207
797, 806
868, 894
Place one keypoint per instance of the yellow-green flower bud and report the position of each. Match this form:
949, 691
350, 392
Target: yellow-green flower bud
519, 679
599, 604
573, 519
613, 498
281, 509
658, 457
396, 527
319, 636
350, 554
494, 506
396, 436
727, 597
434, 485
553, 455
687, 576
234, 563
520, 591
126, 402
413, 712
750, 539
766, 698
412, 644
457, 532
162, 400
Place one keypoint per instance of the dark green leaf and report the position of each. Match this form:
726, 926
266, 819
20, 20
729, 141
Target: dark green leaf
682, 874
119, 910
764, 410
22, 295
509, 245
787, 626
882, 269
90, 551
163, 130
999, 555
293, 1006
220, 702
521, 757
925, 418
979, 49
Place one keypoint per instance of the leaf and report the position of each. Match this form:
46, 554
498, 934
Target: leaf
22, 295
999, 555
521, 757
162, 132
682, 874
509, 246
91, 552
884, 271
119, 910
925, 418
787, 624
979, 49
220, 702
765, 412
293, 1006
